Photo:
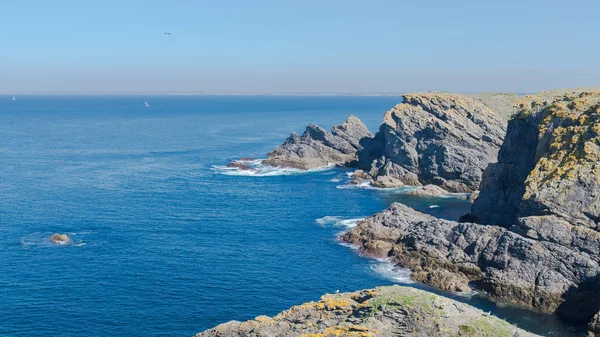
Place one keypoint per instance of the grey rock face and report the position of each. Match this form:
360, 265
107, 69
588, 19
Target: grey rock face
510, 267
434, 138
317, 147
429, 191
379, 312
548, 164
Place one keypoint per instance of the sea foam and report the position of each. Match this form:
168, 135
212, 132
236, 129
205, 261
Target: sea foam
261, 170
390, 271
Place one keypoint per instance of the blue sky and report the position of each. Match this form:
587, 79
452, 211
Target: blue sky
297, 46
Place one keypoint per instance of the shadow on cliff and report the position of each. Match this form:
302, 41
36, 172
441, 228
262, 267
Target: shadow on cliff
581, 302
503, 184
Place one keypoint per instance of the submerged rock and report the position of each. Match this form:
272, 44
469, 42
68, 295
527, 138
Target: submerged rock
317, 147
60, 239
437, 138
383, 311
240, 165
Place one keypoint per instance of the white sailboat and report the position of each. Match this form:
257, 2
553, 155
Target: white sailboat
146, 104
14, 99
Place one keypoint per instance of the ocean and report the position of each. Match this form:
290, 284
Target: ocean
167, 241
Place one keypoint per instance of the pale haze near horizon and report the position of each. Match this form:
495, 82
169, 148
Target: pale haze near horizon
297, 47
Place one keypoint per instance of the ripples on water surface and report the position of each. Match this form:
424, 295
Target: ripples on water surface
165, 241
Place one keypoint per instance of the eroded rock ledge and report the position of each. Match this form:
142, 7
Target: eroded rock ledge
383, 311
450, 255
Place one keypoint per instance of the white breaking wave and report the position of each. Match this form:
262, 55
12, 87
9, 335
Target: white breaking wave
392, 272
455, 195
335, 180
338, 221
434, 206
260, 170
384, 267
366, 185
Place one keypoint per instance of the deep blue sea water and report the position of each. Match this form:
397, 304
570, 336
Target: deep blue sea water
166, 242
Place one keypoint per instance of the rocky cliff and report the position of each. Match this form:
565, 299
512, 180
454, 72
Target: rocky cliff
384, 311
509, 267
317, 147
437, 138
548, 166
536, 241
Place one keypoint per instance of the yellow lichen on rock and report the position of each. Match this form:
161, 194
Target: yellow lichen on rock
571, 127
345, 331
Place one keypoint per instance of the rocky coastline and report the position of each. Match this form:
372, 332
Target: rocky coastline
532, 237
383, 311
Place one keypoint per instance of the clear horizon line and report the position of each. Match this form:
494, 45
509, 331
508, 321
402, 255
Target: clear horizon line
235, 93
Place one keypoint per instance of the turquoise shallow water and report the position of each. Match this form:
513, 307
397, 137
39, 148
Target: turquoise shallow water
165, 242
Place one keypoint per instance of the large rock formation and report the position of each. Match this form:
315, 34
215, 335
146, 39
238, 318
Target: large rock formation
317, 147
384, 311
450, 255
548, 166
437, 138
543, 195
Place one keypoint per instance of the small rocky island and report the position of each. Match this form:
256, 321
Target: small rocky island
60, 239
384, 311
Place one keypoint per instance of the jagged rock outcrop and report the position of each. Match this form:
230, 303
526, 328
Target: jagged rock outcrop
317, 147
537, 238
510, 267
437, 138
383, 311
549, 165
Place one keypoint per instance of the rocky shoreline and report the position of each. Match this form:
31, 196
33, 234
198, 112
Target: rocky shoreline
532, 168
532, 237
383, 311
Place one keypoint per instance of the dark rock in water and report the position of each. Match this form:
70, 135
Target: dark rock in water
317, 147
379, 312
240, 165
437, 138
60, 238
246, 159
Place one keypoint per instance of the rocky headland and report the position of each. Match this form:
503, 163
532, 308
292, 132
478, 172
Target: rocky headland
532, 237
437, 138
440, 139
317, 147
383, 311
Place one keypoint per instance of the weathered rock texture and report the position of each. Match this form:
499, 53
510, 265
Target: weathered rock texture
449, 255
538, 240
549, 165
317, 147
437, 138
384, 311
